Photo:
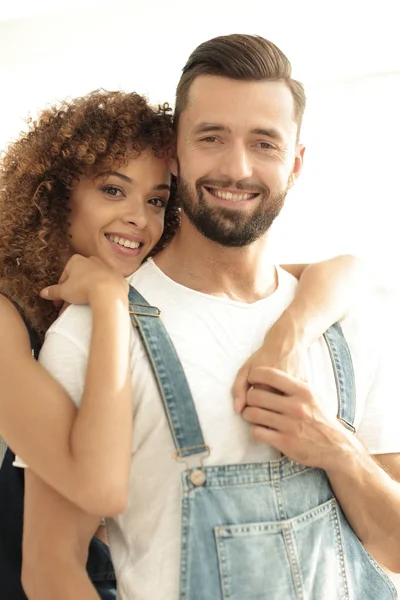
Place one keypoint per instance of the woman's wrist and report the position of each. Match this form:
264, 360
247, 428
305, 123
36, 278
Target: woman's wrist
106, 294
108, 289
289, 330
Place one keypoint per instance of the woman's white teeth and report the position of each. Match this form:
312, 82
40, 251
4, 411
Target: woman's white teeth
122, 242
231, 196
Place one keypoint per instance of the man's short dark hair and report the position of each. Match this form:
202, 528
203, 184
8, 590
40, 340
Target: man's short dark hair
242, 57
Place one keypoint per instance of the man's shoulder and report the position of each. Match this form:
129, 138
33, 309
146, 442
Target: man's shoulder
74, 323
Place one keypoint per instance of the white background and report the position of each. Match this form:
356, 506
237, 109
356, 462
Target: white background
346, 52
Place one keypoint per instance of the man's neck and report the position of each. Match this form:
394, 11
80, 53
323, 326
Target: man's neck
241, 274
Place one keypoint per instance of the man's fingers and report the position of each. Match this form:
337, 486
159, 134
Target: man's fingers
278, 380
269, 419
269, 436
269, 400
240, 388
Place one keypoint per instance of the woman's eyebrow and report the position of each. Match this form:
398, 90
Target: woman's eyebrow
116, 174
158, 187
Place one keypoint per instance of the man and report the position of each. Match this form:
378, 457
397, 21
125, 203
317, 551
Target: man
231, 518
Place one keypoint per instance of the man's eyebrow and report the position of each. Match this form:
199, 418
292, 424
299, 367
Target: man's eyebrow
205, 127
158, 187
270, 132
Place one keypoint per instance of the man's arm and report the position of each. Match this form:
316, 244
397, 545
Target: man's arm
286, 415
368, 491
55, 545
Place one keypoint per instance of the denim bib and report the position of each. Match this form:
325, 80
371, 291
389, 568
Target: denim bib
259, 531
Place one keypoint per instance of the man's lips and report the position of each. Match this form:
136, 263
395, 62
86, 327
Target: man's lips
231, 195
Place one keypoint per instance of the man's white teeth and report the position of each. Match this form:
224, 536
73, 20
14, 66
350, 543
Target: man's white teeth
231, 196
122, 242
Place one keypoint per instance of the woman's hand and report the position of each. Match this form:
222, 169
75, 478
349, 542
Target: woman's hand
284, 349
83, 280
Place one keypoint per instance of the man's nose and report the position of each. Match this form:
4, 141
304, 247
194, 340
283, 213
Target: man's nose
237, 163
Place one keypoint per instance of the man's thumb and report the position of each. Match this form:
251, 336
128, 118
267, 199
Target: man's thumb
240, 388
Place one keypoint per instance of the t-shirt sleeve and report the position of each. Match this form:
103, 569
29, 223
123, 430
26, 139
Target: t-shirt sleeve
379, 429
66, 362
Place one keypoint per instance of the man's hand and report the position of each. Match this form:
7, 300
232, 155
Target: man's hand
286, 415
84, 279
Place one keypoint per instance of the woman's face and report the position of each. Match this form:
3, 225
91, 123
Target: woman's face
119, 216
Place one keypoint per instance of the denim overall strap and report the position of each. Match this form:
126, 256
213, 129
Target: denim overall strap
344, 375
169, 375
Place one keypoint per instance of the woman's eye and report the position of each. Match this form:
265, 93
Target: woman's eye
112, 190
158, 202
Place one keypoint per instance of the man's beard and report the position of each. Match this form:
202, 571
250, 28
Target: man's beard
226, 226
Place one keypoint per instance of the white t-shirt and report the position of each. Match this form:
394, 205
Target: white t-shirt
213, 337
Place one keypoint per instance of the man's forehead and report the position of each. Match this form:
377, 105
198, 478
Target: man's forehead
215, 99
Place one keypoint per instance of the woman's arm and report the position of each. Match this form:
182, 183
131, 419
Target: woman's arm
327, 291
55, 545
85, 455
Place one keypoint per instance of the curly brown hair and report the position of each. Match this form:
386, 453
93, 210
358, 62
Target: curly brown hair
37, 174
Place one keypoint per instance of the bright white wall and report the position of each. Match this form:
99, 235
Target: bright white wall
347, 53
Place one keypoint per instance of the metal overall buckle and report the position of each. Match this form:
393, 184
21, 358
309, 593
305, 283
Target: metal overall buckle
197, 475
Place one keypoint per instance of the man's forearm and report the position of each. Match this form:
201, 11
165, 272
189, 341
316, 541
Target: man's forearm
370, 499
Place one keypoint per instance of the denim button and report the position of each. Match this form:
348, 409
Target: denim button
197, 477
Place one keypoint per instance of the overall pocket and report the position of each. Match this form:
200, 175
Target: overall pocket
296, 559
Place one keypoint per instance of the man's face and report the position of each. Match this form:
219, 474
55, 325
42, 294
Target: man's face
237, 157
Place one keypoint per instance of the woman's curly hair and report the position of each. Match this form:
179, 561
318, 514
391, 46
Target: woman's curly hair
37, 174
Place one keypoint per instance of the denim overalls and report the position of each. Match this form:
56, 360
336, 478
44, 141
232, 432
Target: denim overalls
260, 531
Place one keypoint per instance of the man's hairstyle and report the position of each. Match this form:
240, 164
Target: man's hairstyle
84, 136
242, 57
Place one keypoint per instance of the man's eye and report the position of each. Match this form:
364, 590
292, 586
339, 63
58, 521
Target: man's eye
158, 202
210, 139
265, 145
112, 190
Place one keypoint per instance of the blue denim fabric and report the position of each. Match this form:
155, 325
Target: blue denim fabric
261, 531
100, 569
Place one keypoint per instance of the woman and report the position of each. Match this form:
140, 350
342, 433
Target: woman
108, 150
68, 146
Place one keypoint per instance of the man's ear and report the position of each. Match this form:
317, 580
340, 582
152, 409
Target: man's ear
173, 166
298, 164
